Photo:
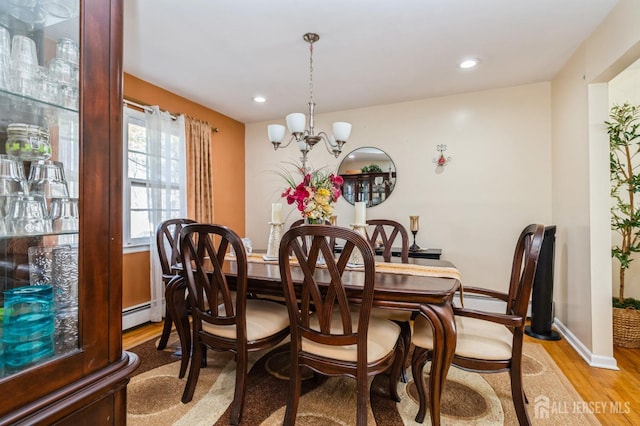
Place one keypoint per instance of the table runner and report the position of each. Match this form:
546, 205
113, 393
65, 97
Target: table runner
386, 267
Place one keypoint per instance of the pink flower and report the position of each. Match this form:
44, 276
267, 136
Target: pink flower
316, 193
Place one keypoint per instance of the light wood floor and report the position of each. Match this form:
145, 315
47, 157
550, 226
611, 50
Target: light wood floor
602, 390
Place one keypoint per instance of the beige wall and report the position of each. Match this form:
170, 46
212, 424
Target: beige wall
474, 208
580, 180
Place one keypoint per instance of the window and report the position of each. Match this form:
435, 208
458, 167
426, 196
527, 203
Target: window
154, 175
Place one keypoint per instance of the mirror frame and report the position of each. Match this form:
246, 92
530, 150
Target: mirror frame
372, 187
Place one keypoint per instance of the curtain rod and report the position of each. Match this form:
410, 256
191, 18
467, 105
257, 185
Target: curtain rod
148, 108
143, 107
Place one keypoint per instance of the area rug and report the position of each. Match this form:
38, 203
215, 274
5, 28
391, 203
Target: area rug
153, 395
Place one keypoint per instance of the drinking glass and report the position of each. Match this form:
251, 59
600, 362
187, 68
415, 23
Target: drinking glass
28, 326
28, 215
5, 72
12, 180
47, 90
64, 214
66, 330
63, 71
68, 50
23, 50
41, 264
248, 245
64, 275
68, 97
47, 178
5, 41
28, 12
61, 8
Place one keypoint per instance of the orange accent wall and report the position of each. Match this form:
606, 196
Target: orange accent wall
135, 273
228, 168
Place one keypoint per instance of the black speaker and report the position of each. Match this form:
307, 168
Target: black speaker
542, 294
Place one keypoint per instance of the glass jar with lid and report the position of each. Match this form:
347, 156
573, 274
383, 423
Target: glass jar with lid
28, 142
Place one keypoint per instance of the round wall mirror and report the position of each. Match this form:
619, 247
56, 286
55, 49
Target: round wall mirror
369, 175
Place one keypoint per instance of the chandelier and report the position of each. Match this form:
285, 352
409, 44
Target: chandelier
296, 122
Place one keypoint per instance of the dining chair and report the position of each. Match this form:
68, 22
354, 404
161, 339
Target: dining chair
392, 235
327, 335
168, 244
486, 341
388, 233
224, 319
300, 222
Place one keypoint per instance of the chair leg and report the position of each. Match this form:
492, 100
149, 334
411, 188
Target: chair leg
419, 359
241, 388
517, 394
194, 373
176, 304
166, 330
294, 389
362, 399
396, 370
405, 335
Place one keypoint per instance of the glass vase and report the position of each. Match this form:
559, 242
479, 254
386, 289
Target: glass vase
311, 221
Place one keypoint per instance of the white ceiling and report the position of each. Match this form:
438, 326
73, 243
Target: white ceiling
222, 53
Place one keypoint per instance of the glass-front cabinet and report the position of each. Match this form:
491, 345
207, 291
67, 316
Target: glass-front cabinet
60, 278
39, 142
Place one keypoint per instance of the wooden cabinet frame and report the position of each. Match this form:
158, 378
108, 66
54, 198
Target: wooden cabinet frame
89, 386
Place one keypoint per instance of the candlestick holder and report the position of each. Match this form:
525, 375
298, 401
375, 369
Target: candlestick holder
355, 260
414, 224
414, 246
275, 235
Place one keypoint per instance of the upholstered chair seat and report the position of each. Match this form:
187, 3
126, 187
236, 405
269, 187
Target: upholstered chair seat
264, 319
381, 339
478, 339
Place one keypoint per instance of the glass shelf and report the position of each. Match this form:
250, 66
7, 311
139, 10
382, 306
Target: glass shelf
16, 108
35, 234
37, 102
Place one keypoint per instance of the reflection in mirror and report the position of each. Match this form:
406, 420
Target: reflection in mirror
369, 175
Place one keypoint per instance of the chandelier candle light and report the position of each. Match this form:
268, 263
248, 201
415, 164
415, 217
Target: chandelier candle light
414, 225
306, 137
275, 233
359, 226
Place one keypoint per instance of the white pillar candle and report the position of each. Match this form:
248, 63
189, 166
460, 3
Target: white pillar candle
276, 213
361, 213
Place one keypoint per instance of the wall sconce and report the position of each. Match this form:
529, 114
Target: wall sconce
441, 160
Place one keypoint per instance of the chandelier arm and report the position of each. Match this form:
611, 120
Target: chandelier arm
332, 148
280, 145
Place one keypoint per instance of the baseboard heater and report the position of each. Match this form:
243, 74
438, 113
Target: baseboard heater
136, 315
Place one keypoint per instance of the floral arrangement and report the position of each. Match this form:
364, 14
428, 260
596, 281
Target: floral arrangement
316, 193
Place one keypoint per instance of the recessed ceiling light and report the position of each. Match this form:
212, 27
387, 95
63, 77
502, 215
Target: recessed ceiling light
260, 99
469, 63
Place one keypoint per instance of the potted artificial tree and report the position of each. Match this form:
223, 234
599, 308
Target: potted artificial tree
624, 152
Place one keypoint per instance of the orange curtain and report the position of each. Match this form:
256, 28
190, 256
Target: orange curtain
199, 170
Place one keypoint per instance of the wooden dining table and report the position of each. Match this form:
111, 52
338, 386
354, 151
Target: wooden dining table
430, 296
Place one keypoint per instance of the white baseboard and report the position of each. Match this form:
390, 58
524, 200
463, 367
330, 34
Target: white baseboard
473, 301
597, 361
136, 315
